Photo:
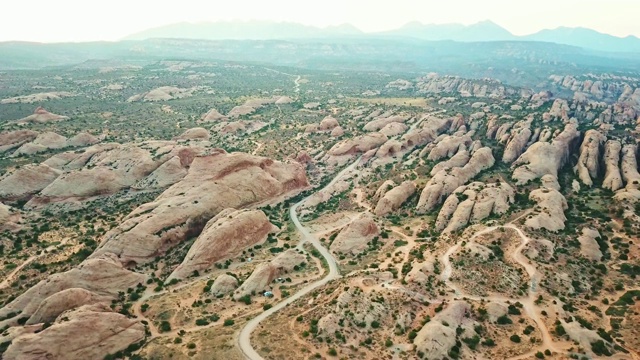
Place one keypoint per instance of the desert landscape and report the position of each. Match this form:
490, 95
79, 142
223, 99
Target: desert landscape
333, 204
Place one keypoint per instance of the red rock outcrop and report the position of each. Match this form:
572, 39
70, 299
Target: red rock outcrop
214, 182
224, 236
354, 237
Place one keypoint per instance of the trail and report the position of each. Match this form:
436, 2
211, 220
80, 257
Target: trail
7, 281
244, 340
527, 302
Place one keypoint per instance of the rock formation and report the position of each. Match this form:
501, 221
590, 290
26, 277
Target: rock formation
612, 176
26, 180
394, 129
460, 159
224, 236
359, 144
447, 180
353, 238
194, 134
328, 123
214, 182
265, 273
163, 93
589, 247
438, 336
544, 158
517, 144
337, 131
448, 146
44, 142
41, 116
473, 203
380, 122
102, 275
212, 115
630, 175
588, 166
85, 333
223, 285
549, 211
394, 198
14, 139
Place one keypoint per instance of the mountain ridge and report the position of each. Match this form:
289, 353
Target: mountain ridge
483, 31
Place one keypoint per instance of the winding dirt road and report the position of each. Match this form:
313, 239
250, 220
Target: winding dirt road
527, 302
244, 340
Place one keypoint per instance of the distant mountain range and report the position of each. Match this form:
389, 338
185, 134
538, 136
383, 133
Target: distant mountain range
479, 32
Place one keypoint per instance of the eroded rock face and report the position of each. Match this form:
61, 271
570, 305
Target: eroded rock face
588, 165
447, 180
26, 180
224, 236
473, 203
337, 131
394, 129
82, 139
354, 237
358, 144
381, 122
41, 116
589, 247
449, 146
612, 177
264, 274
163, 93
435, 339
460, 159
549, 211
51, 307
630, 175
544, 158
195, 134
427, 132
102, 275
214, 182
516, 145
14, 139
89, 333
45, 141
394, 198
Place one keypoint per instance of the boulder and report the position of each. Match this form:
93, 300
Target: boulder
265, 273
328, 123
223, 285
337, 131
394, 198
354, 237
226, 235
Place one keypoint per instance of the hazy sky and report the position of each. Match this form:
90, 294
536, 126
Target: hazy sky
82, 20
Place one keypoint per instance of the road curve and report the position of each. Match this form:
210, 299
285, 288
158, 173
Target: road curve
244, 339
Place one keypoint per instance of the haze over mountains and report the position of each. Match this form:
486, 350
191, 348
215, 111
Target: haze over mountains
482, 31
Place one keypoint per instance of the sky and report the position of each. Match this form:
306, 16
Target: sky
82, 20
